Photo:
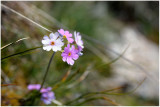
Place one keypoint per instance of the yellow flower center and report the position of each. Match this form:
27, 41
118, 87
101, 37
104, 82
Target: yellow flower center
69, 54
64, 36
52, 43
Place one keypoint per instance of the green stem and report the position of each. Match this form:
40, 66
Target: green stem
20, 53
88, 100
96, 98
104, 92
44, 78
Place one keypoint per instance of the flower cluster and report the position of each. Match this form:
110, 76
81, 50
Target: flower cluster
56, 41
47, 95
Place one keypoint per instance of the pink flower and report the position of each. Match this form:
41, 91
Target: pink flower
47, 95
69, 54
43, 90
34, 87
66, 34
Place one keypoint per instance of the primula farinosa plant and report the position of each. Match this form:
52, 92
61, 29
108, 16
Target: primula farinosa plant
71, 52
73, 47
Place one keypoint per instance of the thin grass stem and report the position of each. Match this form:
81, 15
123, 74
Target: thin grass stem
63, 79
114, 60
44, 78
66, 81
104, 92
22, 52
96, 98
25, 17
12, 43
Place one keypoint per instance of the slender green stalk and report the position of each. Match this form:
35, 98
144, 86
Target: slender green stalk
12, 43
88, 100
105, 92
96, 98
44, 78
72, 76
62, 80
114, 60
22, 52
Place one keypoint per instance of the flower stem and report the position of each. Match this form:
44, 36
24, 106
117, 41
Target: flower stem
44, 78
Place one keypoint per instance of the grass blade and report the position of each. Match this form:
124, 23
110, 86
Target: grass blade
96, 98
22, 52
25, 17
73, 75
114, 60
63, 80
104, 92
12, 43
66, 81
66, 75
82, 77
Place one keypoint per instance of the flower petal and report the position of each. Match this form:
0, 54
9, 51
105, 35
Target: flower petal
54, 48
61, 31
75, 56
47, 48
46, 42
64, 59
45, 37
53, 36
69, 35
70, 40
59, 42
34, 86
70, 61
73, 47
66, 32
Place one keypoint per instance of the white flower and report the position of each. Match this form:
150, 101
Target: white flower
78, 39
53, 42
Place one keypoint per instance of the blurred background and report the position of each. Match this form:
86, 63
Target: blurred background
132, 27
